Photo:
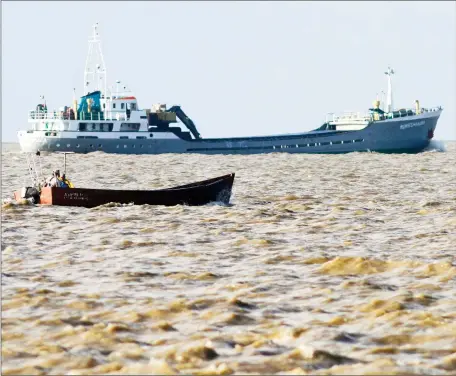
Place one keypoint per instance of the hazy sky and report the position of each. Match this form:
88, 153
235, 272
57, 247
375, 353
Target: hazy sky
236, 68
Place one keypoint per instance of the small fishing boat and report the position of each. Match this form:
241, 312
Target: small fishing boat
217, 189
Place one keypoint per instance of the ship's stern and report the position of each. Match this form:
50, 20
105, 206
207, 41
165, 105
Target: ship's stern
31, 141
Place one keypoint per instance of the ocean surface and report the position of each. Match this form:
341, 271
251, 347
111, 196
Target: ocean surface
322, 265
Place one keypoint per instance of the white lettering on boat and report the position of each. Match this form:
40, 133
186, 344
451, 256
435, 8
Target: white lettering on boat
411, 125
75, 196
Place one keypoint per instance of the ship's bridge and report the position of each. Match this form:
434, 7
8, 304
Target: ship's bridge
119, 105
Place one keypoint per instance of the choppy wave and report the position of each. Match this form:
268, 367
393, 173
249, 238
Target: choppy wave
339, 264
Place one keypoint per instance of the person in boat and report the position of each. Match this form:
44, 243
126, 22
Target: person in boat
62, 183
65, 183
59, 181
52, 181
55, 179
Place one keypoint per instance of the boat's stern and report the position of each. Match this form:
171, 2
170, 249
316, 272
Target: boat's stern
30, 194
18, 196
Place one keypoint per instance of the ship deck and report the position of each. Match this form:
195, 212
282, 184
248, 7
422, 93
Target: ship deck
283, 136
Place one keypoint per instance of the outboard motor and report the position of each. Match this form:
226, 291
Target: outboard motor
30, 193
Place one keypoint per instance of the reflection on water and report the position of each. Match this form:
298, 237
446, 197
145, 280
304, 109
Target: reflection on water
339, 264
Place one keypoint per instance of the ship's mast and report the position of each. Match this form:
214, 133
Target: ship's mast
389, 98
95, 70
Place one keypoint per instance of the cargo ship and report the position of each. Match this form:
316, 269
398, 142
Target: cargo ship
111, 121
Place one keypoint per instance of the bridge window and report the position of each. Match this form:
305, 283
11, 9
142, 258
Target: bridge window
130, 127
96, 127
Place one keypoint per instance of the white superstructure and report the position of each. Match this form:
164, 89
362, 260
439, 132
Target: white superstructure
100, 113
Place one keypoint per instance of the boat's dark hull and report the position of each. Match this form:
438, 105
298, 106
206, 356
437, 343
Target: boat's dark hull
194, 194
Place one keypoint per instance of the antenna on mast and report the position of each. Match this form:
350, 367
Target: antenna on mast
95, 70
389, 98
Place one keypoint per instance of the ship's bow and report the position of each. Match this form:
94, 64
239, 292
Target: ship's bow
410, 134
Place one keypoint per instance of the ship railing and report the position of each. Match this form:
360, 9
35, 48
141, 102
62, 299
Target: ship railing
41, 115
57, 115
404, 112
91, 116
358, 117
432, 109
348, 117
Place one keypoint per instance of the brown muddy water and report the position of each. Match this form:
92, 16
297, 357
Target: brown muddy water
334, 264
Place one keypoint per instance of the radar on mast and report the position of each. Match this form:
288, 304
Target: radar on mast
389, 71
